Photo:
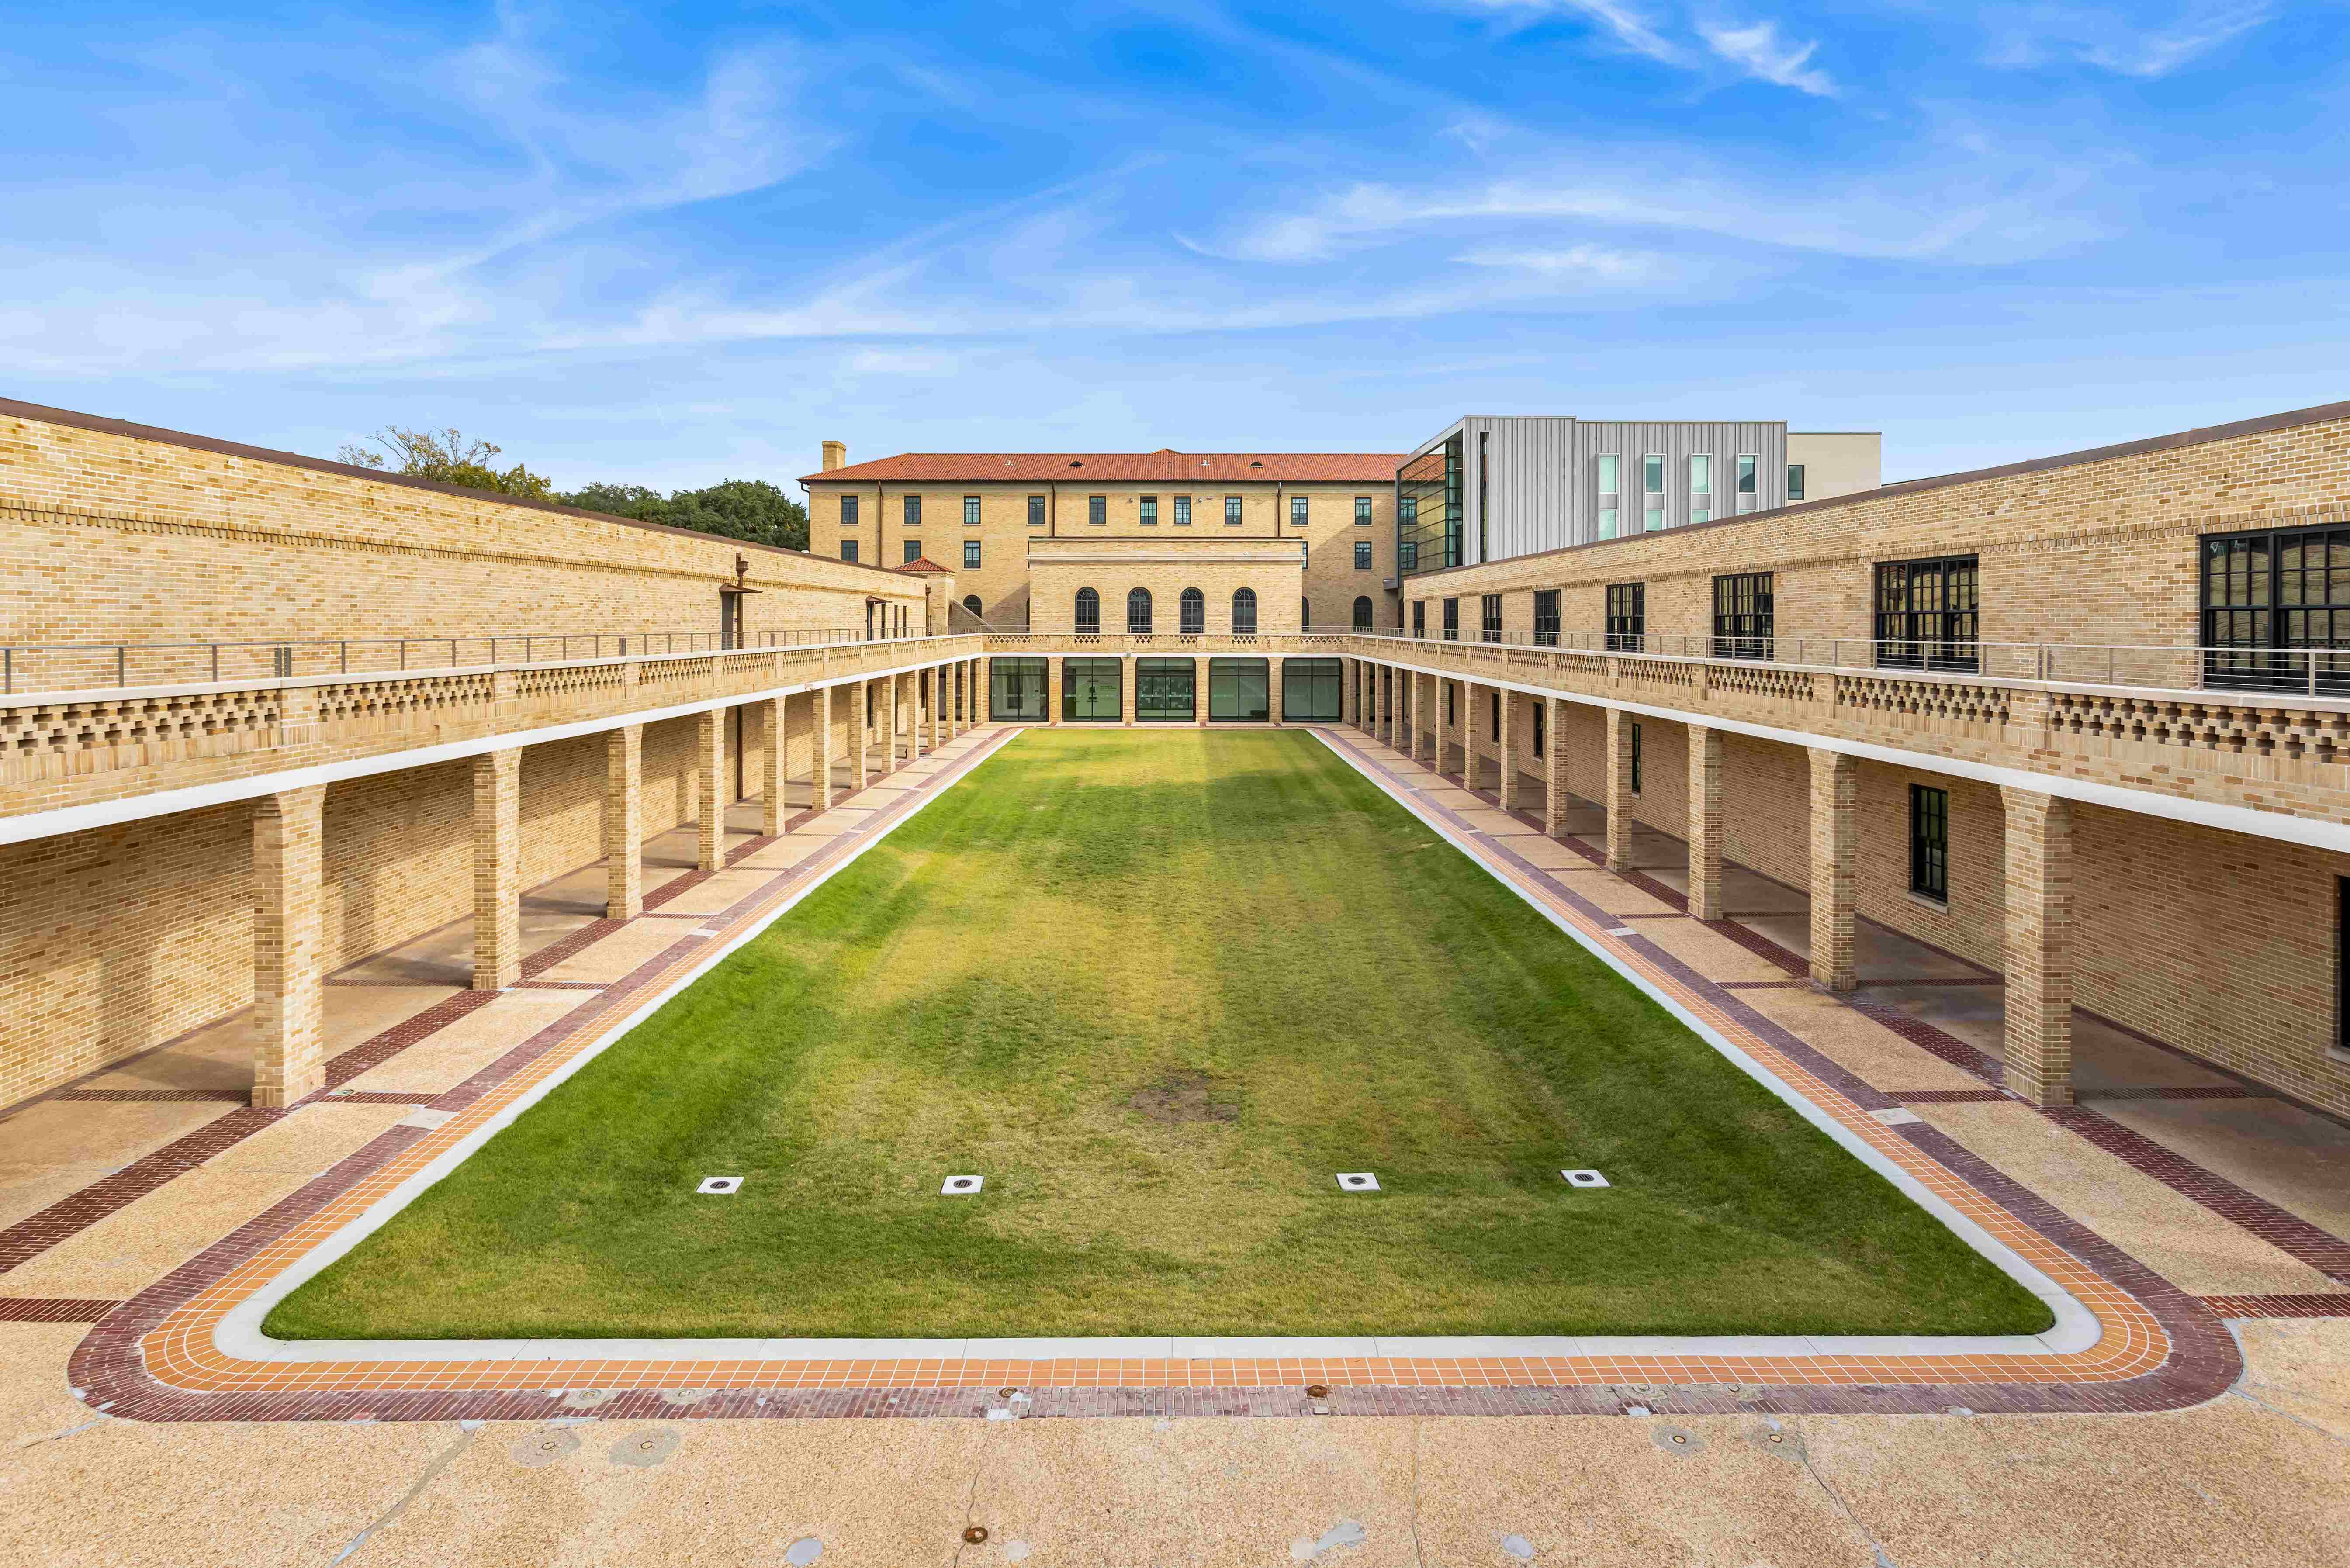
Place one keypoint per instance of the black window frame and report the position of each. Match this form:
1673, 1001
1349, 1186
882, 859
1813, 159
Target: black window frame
1452, 620
1927, 613
913, 551
1628, 617
1156, 681
1147, 511
971, 554
1362, 555
1229, 689
848, 549
1019, 689
1930, 842
1313, 690
1097, 511
1366, 613
1794, 481
970, 511
1245, 597
1362, 511
1233, 516
910, 509
1301, 511
1192, 613
848, 511
2269, 632
1489, 617
1547, 623
1419, 618
1745, 613
1035, 512
1138, 612
1496, 736
1087, 608
1084, 677
1182, 518
971, 603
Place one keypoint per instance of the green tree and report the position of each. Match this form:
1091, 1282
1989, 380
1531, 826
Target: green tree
748, 509
448, 457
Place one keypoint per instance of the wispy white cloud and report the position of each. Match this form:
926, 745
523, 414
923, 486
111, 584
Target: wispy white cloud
2037, 35
1757, 50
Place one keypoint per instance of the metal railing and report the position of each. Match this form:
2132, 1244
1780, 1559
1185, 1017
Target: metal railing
60, 667
2288, 671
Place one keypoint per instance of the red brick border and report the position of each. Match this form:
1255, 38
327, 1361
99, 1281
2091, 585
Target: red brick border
2303, 1305
52, 1309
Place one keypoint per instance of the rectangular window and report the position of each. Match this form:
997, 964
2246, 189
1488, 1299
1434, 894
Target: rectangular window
1232, 511
1747, 500
1742, 616
1542, 711
1097, 510
1545, 621
1447, 705
1151, 512
913, 505
971, 551
1652, 492
1297, 511
1089, 690
1701, 466
1407, 555
1490, 618
1452, 620
1236, 690
1496, 736
1611, 496
2276, 610
970, 511
1362, 511
1183, 512
1930, 842
1035, 512
1362, 555
913, 551
1628, 617
848, 549
1926, 613
848, 511
1015, 690
1419, 618
1313, 690
1164, 691
1794, 481
1636, 759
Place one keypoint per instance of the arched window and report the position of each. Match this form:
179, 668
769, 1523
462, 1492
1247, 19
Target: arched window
1089, 611
1137, 613
1193, 609
1305, 614
1245, 612
971, 603
1362, 612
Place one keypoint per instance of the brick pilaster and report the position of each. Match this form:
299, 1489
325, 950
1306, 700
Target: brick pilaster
624, 821
288, 946
1130, 690
497, 869
710, 768
939, 682
1835, 857
1554, 791
776, 766
1704, 823
913, 715
2039, 835
1619, 789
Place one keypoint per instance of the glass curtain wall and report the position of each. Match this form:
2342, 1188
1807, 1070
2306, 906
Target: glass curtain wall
1164, 691
1089, 690
1236, 690
1015, 690
1313, 690
1428, 510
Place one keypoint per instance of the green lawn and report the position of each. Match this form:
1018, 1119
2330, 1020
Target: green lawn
1158, 987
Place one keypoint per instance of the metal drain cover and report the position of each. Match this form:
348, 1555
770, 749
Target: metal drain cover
1358, 1181
1583, 1178
961, 1186
721, 1184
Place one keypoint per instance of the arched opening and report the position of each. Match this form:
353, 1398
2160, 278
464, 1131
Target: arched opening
1305, 614
1193, 610
1362, 612
971, 603
1088, 612
1137, 613
1245, 612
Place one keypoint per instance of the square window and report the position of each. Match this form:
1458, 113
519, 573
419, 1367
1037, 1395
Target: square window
970, 511
1035, 512
1362, 555
971, 551
1097, 510
1232, 511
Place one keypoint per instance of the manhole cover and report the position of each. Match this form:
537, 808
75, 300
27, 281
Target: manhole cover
721, 1184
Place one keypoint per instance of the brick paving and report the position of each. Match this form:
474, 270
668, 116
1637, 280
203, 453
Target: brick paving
52, 1309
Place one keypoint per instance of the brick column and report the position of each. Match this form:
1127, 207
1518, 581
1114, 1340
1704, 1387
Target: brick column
1272, 692
2039, 833
1508, 790
860, 734
820, 750
940, 678
497, 869
710, 763
776, 768
1474, 732
1200, 694
1130, 690
1052, 689
1619, 789
1555, 769
288, 946
1704, 823
1418, 686
913, 715
1835, 854
624, 821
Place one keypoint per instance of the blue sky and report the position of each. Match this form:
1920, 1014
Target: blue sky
672, 246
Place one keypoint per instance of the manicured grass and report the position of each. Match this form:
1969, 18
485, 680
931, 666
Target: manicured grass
1158, 987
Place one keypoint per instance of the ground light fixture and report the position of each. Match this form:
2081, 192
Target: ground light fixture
961, 1186
1358, 1181
1583, 1178
724, 1186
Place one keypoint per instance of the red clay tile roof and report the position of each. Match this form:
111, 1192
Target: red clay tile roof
923, 566
1165, 466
